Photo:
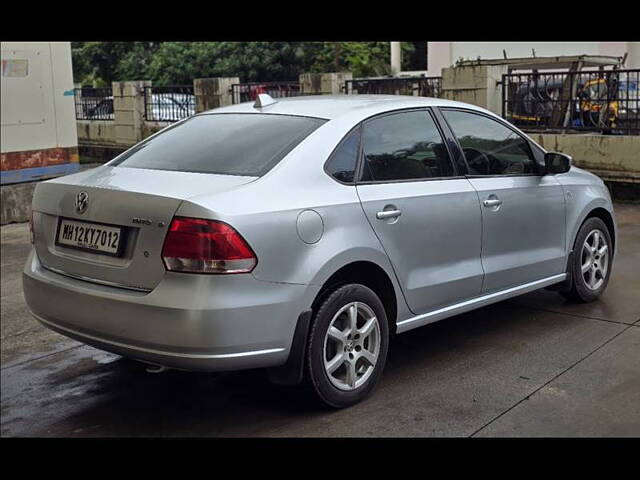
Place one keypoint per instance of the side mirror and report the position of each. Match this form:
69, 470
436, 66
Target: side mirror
555, 162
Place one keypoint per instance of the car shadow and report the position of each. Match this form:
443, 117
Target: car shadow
119, 398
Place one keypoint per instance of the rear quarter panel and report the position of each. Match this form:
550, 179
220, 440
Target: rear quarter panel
265, 212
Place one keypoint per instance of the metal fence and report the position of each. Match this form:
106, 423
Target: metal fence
416, 86
599, 101
247, 92
169, 104
94, 103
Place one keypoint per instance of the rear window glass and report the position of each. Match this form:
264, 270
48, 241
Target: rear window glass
228, 144
342, 165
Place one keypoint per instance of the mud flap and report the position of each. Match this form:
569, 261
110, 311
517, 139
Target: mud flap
292, 371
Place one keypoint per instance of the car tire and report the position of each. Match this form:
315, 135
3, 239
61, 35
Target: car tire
345, 364
589, 259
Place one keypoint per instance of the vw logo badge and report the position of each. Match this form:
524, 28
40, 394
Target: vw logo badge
82, 202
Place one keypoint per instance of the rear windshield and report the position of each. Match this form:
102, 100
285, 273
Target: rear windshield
227, 143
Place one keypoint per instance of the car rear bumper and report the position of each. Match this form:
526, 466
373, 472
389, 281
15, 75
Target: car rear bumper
192, 322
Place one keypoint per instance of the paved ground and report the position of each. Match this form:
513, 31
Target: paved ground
532, 366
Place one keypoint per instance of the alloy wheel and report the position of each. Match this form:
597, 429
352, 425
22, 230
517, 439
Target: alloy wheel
351, 346
594, 260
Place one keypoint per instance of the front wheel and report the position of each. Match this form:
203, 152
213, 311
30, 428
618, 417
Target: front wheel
591, 262
347, 346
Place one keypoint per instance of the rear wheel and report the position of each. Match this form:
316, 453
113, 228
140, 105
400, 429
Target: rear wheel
591, 263
347, 346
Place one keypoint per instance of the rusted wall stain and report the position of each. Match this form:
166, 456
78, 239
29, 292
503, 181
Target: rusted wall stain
38, 158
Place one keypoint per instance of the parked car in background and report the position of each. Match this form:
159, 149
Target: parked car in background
95, 108
248, 92
300, 235
163, 107
170, 107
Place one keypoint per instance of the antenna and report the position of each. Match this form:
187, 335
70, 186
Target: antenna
263, 100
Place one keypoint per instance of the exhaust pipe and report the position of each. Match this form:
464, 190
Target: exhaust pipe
157, 369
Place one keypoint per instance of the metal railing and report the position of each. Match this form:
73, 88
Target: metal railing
169, 104
94, 103
599, 101
416, 86
247, 92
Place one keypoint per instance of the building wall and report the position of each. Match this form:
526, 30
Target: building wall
614, 158
445, 54
38, 136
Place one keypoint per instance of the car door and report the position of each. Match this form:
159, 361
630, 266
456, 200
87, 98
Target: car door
427, 218
523, 210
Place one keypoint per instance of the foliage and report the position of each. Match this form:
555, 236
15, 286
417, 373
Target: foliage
363, 59
181, 62
100, 63
173, 63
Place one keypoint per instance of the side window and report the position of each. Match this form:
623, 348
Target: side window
404, 146
343, 161
489, 147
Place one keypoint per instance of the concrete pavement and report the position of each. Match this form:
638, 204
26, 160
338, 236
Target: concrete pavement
532, 366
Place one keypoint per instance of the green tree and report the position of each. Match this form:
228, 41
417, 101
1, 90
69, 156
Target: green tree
98, 62
363, 59
170, 63
181, 62
134, 65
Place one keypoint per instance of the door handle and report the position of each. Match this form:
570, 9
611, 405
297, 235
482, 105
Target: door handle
494, 202
388, 214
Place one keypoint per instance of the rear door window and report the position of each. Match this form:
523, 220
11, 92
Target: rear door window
226, 143
404, 146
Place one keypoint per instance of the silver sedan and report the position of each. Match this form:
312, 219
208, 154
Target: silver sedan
299, 235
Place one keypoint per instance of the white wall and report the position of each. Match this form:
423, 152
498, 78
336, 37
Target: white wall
445, 54
633, 60
38, 109
438, 57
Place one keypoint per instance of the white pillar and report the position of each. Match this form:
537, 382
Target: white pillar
213, 92
396, 58
439, 57
128, 111
330, 83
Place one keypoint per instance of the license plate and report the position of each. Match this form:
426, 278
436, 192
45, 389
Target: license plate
93, 237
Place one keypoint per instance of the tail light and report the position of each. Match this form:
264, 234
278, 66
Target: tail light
197, 245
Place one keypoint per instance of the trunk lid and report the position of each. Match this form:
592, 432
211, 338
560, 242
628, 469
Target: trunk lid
140, 201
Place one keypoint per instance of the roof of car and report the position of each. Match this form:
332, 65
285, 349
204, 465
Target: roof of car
333, 106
